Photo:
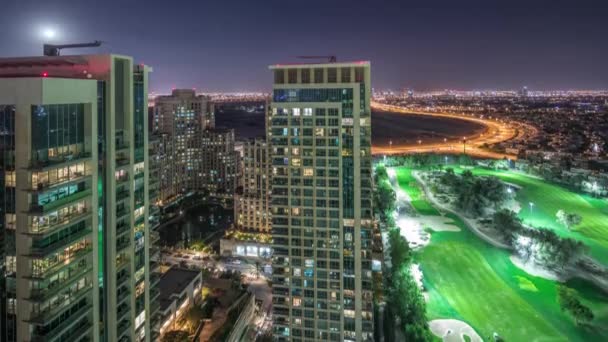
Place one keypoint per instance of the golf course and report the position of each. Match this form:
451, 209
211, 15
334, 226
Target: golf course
467, 279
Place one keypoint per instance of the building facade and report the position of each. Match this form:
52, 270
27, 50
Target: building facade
75, 201
181, 118
252, 203
320, 137
219, 166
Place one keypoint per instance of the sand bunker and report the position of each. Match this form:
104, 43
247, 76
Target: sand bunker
453, 330
532, 269
438, 223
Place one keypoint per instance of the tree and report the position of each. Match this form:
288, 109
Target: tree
570, 220
507, 224
194, 316
569, 302
176, 336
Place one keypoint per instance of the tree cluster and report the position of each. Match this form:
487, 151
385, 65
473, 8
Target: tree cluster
569, 302
425, 160
384, 195
570, 220
543, 244
474, 194
405, 298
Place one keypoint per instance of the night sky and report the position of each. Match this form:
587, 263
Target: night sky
225, 45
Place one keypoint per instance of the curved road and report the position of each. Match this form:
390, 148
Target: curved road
496, 131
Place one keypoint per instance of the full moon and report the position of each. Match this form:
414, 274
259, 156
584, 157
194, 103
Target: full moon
48, 33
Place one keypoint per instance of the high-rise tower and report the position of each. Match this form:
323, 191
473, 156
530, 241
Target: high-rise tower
320, 140
75, 202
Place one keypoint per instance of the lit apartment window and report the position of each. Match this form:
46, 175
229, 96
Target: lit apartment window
9, 179
296, 111
297, 302
307, 111
308, 172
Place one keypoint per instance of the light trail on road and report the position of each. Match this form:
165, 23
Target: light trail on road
496, 131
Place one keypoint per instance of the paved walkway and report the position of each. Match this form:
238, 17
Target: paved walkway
470, 223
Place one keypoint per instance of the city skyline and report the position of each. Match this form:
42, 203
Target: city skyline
468, 45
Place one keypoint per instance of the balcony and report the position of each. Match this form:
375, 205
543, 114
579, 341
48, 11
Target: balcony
122, 262
123, 328
154, 237
70, 299
50, 228
122, 244
154, 293
122, 211
40, 252
73, 178
75, 257
122, 312
122, 296
36, 209
154, 279
79, 328
122, 228
42, 294
122, 278
65, 160
122, 163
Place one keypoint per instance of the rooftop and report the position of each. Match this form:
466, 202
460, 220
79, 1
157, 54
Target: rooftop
323, 64
174, 282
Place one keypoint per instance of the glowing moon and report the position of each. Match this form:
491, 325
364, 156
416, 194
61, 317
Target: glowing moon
48, 33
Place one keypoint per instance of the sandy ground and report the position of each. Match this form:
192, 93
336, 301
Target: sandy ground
533, 269
452, 330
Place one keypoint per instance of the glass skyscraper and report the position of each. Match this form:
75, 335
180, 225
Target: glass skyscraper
319, 130
75, 208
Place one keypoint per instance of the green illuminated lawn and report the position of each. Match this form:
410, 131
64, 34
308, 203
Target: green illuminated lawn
470, 280
548, 199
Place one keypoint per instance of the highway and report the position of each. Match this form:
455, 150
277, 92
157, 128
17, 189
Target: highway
496, 131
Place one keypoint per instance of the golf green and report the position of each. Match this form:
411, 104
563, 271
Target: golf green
468, 279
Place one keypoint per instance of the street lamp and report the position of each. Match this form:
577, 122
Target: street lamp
464, 145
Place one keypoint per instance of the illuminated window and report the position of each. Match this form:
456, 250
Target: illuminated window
297, 302
296, 112
295, 151
308, 172
297, 272
9, 178
295, 162
307, 111
319, 132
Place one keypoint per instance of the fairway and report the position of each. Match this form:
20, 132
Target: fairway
470, 280
548, 199
466, 282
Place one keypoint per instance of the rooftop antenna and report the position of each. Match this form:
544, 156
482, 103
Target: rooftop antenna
53, 49
330, 59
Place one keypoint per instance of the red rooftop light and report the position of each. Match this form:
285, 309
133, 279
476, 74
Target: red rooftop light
45, 74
